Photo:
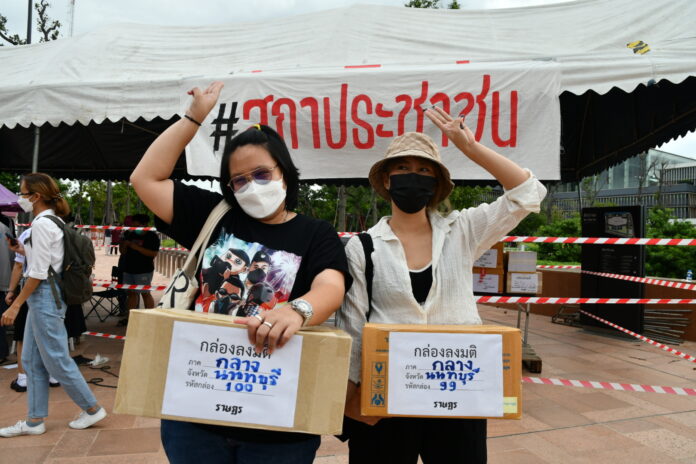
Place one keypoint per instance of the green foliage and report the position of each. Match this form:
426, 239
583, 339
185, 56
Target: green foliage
463, 197
454, 5
565, 252
422, 4
10, 181
669, 261
529, 225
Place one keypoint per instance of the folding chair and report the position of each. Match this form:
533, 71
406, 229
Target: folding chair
107, 302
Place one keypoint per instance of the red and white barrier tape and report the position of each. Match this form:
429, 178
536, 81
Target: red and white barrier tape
564, 300
173, 249
549, 266
131, 287
509, 238
104, 335
643, 338
603, 240
612, 386
644, 280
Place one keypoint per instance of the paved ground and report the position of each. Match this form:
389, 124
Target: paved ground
560, 424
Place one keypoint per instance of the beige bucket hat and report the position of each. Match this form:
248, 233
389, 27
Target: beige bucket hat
413, 144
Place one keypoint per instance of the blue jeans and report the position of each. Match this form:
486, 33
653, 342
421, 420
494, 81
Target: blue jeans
45, 352
189, 443
137, 279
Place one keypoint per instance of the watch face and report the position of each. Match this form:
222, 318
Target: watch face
303, 306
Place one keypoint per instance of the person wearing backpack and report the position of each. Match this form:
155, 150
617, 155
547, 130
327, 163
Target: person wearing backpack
53, 265
421, 270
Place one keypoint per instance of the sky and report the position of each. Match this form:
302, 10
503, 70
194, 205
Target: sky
91, 14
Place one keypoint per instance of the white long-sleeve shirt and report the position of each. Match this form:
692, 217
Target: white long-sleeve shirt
45, 249
458, 240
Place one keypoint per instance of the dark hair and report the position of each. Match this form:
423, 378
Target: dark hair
142, 219
271, 141
47, 188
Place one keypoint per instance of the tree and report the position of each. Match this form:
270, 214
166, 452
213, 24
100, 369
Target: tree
10, 181
454, 5
47, 27
669, 261
422, 4
565, 253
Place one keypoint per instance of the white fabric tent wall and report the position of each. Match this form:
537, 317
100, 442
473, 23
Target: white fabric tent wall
130, 71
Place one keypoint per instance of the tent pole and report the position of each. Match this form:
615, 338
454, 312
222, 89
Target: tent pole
29, 22
35, 158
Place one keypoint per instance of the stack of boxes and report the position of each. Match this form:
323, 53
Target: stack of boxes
522, 276
507, 272
489, 271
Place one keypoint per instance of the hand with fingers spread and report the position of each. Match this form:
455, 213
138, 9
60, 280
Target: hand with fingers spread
453, 128
272, 328
203, 101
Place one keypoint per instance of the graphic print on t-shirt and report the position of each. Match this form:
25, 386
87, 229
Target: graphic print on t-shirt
242, 278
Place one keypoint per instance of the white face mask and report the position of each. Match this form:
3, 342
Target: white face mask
25, 204
261, 200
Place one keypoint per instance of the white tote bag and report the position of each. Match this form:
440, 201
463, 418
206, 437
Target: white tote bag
183, 287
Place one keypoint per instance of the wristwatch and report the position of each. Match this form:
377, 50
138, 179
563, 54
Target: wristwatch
304, 309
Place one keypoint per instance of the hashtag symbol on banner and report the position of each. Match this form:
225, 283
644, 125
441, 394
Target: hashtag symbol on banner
228, 123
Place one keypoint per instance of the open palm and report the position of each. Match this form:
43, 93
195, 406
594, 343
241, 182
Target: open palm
204, 100
453, 128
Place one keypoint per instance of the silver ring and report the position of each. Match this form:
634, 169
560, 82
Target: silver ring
258, 317
270, 326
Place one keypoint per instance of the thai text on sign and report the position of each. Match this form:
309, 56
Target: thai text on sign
339, 123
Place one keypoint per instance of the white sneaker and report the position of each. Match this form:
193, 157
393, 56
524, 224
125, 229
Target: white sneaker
21, 428
85, 419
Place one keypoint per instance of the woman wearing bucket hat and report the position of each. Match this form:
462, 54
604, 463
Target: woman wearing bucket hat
422, 275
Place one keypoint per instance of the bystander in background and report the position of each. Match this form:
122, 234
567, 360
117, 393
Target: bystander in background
139, 249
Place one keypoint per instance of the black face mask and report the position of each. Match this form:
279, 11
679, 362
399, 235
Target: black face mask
411, 192
257, 275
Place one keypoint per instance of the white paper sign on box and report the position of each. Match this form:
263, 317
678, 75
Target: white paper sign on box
524, 282
207, 381
489, 259
487, 283
463, 378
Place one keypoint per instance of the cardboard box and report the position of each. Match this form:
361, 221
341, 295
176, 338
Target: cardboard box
183, 365
492, 258
521, 261
388, 353
487, 280
524, 282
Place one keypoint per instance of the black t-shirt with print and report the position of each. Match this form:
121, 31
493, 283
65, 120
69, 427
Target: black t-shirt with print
135, 262
306, 247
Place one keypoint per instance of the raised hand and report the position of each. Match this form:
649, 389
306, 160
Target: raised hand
454, 128
204, 100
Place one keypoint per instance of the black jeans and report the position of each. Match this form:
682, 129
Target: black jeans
4, 349
400, 440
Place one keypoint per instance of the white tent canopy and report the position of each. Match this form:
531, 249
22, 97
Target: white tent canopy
130, 70
137, 71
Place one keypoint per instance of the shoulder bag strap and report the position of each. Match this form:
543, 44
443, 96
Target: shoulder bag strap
196, 253
368, 248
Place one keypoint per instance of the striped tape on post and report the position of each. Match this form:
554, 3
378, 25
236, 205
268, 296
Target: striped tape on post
612, 386
669, 349
644, 280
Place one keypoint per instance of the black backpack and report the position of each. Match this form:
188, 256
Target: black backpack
74, 281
